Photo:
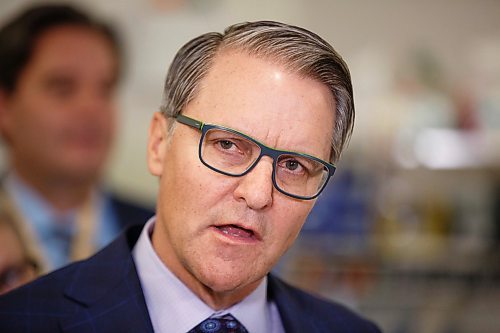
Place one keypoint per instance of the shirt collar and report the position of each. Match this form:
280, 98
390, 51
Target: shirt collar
176, 308
41, 217
34, 208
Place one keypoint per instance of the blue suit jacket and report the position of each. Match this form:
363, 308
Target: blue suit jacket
103, 294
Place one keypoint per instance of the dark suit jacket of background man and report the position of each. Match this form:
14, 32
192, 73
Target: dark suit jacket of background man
103, 294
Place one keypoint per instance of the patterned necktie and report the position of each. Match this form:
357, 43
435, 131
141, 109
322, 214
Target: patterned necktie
224, 324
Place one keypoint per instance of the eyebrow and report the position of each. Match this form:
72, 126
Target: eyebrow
200, 124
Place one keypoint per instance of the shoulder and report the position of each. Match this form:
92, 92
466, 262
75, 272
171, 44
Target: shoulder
300, 308
38, 305
71, 292
130, 212
49, 286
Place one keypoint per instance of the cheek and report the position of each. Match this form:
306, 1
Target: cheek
29, 126
36, 113
203, 187
185, 184
289, 221
48, 126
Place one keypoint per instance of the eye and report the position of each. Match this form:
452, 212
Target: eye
292, 165
226, 144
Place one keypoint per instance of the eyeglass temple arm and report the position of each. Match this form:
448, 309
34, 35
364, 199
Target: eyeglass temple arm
189, 121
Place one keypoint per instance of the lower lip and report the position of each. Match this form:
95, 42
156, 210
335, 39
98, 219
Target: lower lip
235, 239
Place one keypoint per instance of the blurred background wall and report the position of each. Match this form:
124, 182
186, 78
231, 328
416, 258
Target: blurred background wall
408, 233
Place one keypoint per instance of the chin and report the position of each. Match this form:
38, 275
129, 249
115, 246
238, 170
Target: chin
85, 166
81, 174
230, 280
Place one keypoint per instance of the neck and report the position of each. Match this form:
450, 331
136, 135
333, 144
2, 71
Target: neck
61, 193
216, 299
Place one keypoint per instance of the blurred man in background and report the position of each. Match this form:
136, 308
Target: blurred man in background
59, 69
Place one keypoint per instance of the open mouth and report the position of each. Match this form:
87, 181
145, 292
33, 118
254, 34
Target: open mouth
235, 231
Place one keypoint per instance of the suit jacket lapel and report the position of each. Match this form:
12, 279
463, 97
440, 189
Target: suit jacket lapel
291, 311
107, 292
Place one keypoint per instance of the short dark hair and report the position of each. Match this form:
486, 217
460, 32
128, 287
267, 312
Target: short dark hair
299, 50
19, 36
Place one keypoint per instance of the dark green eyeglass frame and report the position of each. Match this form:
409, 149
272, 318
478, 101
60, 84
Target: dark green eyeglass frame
264, 151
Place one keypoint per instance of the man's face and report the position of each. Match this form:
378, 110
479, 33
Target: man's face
59, 120
223, 234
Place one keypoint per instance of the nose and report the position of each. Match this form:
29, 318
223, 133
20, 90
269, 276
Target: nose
256, 187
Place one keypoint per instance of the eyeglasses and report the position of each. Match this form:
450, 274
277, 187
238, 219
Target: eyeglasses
232, 153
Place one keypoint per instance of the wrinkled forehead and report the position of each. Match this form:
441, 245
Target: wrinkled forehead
290, 60
263, 99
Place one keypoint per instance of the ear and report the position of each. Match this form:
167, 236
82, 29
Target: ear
157, 144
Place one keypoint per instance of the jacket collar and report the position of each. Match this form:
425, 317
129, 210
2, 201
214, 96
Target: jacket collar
108, 291
290, 308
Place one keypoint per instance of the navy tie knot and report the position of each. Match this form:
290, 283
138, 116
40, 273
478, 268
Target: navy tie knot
224, 324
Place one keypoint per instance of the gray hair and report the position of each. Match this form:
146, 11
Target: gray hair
298, 50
